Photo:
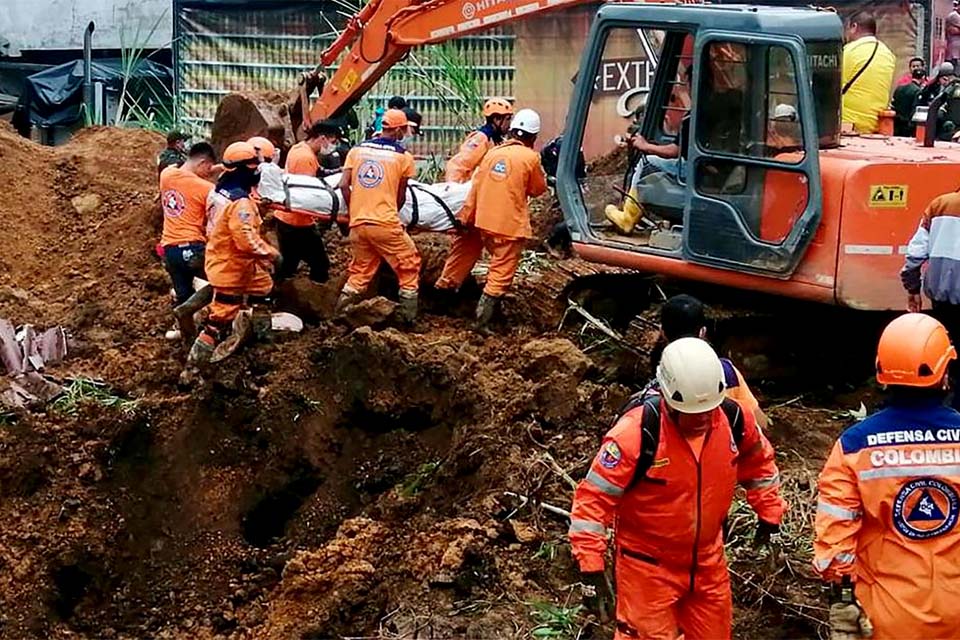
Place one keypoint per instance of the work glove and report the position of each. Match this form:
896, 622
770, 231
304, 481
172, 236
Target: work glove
849, 622
598, 598
767, 536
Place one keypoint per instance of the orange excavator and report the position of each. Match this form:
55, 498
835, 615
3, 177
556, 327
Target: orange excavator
766, 195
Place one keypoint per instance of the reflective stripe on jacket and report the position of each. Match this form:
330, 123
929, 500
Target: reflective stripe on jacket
887, 516
680, 504
937, 243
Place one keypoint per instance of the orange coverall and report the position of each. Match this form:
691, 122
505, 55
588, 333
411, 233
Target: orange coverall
377, 168
237, 259
462, 165
887, 517
496, 208
671, 573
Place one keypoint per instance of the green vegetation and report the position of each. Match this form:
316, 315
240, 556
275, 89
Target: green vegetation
85, 390
554, 621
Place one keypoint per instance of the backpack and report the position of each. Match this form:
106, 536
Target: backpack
650, 427
550, 158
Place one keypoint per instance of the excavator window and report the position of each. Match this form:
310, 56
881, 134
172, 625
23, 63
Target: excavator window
642, 89
753, 111
631, 61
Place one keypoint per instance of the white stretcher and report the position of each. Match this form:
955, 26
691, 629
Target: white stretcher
427, 207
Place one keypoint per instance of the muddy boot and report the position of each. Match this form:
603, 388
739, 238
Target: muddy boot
486, 308
242, 332
199, 357
407, 311
262, 321
347, 298
625, 220
185, 312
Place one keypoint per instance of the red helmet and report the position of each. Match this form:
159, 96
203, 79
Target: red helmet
914, 351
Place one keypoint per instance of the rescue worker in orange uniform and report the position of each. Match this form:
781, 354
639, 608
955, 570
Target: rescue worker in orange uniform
297, 234
374, 185
496, 209
886, 526
461, 166
683, 316
183, 195
239, 260
665, 478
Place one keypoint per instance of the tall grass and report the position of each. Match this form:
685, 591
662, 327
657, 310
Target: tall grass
132, 53
458, 85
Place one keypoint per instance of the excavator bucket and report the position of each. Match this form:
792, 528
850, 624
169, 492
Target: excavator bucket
243, 115
270, 114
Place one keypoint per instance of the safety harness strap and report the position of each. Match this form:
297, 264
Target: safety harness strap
228, 298
650, 427
443, 205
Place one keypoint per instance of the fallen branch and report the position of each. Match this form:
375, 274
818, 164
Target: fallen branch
551, 462
546, 507
797, 608
599, 324
787, 403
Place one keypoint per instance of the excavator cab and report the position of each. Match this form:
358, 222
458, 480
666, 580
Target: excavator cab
738, 102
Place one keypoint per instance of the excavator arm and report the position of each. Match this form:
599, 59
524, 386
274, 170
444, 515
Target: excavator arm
384, 31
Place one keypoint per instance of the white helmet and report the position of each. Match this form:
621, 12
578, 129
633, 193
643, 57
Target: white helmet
690, 376
526, 120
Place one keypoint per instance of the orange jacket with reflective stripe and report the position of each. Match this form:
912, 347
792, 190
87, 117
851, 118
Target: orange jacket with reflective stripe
888, 509
497, 202
680, 503
236, 253
460, 167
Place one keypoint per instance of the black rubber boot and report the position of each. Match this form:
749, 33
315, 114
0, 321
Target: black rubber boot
486, 308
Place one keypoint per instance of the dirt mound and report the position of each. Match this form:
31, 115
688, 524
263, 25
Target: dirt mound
360, 483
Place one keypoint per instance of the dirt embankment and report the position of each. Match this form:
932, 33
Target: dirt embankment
338, 483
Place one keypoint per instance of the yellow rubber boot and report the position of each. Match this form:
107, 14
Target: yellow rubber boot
625, 219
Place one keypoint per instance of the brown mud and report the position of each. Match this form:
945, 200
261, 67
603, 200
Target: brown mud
346, 482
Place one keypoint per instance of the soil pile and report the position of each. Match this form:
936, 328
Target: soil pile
83, 219
348, 481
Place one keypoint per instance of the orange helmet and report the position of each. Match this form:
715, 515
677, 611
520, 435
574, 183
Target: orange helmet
239, 153
914, 351
264, 146
394, 119
497, 107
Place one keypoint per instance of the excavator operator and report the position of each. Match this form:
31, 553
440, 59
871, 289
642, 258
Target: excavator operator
498, 113
666, 158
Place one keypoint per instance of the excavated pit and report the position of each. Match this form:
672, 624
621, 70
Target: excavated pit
347, 481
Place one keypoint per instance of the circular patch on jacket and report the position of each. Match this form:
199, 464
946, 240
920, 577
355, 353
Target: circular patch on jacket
925, 508
173, 203
370, 174
500, 170
610, 455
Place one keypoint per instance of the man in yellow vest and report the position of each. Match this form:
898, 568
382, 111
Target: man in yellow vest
868, 67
